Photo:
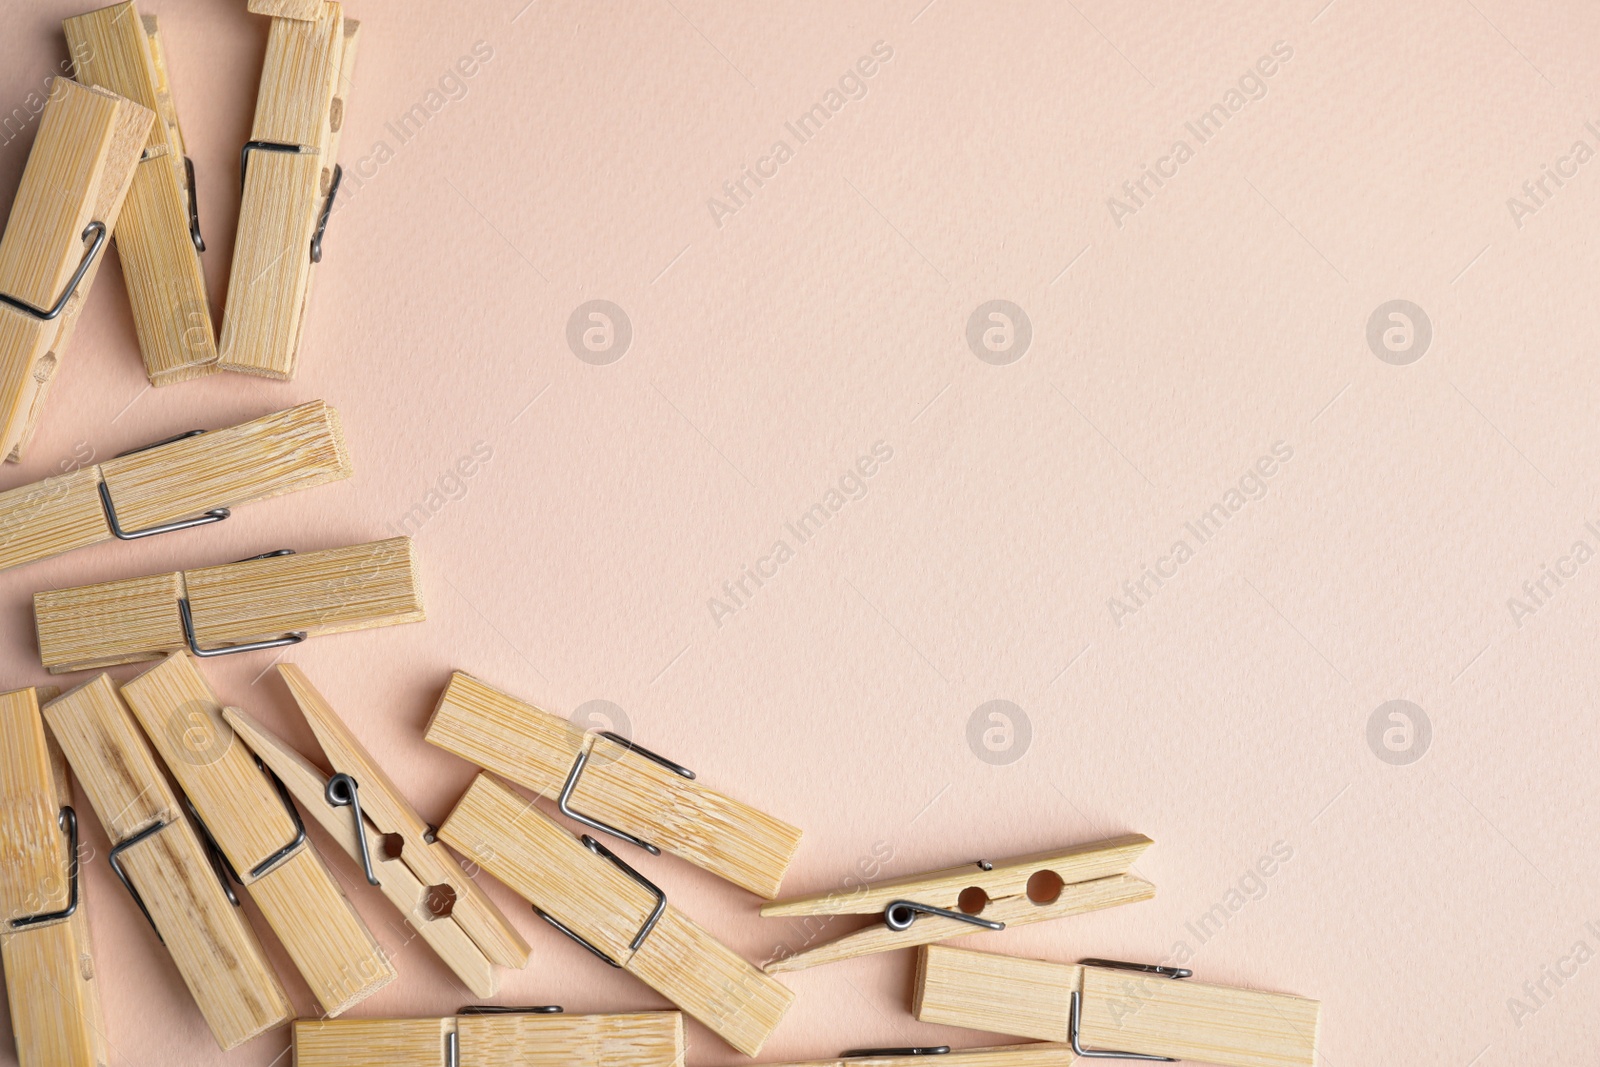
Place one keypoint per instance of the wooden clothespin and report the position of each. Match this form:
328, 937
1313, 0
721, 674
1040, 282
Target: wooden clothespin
1108, 1009
494, 1037
420, 877
590, 894
178, 885
971, 898
267, 601
291, 175
158, 236
72, 190
286, 9
44, 933
187, 481
256, 825
1033, 1054
608, 783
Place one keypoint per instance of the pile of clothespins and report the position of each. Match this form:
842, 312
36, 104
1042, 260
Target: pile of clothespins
198, 799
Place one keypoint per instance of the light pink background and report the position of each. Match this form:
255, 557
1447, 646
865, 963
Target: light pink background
828, 313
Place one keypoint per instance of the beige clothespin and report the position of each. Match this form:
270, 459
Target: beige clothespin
191, 480
1109, 1009
169, 874
291, 175
419, 877
971, 898
1033, 1054
158, 235
72, 190
268, 601
259, 830
590, 894
608, 783
44, 932
494, 1037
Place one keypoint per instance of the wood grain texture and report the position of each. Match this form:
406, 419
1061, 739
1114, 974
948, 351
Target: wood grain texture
329, 943
270, 278
1122, 1010
399, 885
642, 1039
135, 619
33, 852
524, 848
120, 51
284, 452
1029, 1055
619, 787
215, 951
371, 1042
78, 171
286, 9
389, 810
54, 998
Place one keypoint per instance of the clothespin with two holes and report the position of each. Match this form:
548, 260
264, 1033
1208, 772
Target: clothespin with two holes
494, 1037
384, 833
269, 601
1106, 1009
191, 480
158, 236
290, 172
255, 824
971, 898
1033, 1054
44, 934
594, 897
71, 194
608, 783
179, 886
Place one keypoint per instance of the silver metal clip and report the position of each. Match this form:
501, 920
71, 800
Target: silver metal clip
644, 930
1076, 1009
342, 790
571, 785
95, 233
68, 821
914, 1050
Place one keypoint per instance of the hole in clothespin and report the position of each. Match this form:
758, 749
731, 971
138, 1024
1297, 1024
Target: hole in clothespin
441, 901
45, 369
393, 845
1044, 887
972, 900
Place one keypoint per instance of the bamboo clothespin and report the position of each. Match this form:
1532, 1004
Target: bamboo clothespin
291, 175
286, 9
608, 783
590, 894
418, 876
44, 934
975, 896
1108, 1009
158, 235
72, 190
259, 831
175, 882
1033, 1054
494, 1037
267, 601
188, 481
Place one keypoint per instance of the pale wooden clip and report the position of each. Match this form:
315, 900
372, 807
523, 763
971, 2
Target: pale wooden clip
77, 175
158, 235
266, 601
500, 1038
591, 895
1033, 1054
44, 929
973, 897
1104, 1008
189, 481
166, 869
260, 832
291, 176
611, 785
421, 879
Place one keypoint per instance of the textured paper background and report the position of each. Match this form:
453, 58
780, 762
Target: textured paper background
827, 312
